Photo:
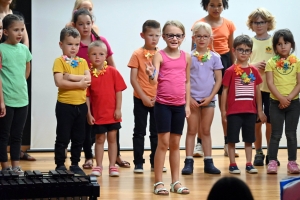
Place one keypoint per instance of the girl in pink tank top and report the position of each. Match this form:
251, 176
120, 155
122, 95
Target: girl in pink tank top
171, 71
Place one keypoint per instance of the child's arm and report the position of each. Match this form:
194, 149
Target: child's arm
218, 83
25, 38
284, 101
110, 61
64, 84
118, 114
136, 86
296, 89
152, 69
77, 78
230, 45
224, 103
90, 118
188, 86
2, 104
27, 73
260, 112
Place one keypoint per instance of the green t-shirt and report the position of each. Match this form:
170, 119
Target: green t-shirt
12, 74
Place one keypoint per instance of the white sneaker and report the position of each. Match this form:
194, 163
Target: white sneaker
226, 151
18, 170
198, 152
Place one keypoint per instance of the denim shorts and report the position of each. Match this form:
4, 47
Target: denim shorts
211, 104
104, 128
169, 118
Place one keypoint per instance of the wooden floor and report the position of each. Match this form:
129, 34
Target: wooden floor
140, 186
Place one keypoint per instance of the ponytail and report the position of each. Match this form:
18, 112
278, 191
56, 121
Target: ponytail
95, 34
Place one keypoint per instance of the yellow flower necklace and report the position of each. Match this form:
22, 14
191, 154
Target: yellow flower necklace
202, 58
245, 78
147, 53
97, 72
285, 64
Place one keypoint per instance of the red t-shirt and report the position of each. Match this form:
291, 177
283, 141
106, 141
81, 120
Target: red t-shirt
102, 94
241, 98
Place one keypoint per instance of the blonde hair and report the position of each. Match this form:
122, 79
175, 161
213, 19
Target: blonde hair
97, 43
78, 3
265, 15
203, 25
176, 23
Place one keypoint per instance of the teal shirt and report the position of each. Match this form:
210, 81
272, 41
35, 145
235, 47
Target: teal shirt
12, 74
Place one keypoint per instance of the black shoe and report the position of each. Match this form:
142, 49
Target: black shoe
259, 159
267, 161
61, 167
210, 168
188, 167
77, 170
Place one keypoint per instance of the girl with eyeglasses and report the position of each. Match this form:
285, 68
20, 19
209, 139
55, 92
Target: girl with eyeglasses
223, 30
170, 69
206, 79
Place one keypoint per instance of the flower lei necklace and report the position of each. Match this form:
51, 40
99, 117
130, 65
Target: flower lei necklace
202, 58
245, 79
147, 53
100, 72
285, 64
73, 62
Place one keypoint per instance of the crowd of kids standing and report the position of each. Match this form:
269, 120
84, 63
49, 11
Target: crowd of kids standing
254, 80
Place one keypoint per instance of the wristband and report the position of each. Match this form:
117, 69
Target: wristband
153, 75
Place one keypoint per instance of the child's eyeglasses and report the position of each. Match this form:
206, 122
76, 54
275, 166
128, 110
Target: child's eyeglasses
204, 37
171, 36
259, 23
243, 51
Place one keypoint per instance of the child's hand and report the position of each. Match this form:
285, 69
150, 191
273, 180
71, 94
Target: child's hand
84, 83
90, 119
66, 76
117, 114
2, 110
149, 68
148, 102
205, 101
284, 102
194, 103
262, 117
224, 117
261, 65
187, 111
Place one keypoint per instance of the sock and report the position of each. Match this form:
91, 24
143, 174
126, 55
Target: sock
225, 140
189, 157
232, 165
199, 140
207, 157
248, 164
259, 151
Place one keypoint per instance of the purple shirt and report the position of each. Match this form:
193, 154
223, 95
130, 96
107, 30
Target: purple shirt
202, 76
83, 49
171, 80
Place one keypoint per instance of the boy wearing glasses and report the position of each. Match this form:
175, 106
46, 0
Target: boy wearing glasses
261, 21
241, 102
144, 95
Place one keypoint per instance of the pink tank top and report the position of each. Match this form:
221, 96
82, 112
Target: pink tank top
171, 80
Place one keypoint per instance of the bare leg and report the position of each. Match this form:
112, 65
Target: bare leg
258, 136
248, 151
206, 118
231, 154
224, 124
192, 130
99, 149
112, 147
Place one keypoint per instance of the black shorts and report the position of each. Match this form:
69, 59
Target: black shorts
235, 122
265, 98
104, 128
226, 62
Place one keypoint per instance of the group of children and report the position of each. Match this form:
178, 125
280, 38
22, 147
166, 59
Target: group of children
257, 80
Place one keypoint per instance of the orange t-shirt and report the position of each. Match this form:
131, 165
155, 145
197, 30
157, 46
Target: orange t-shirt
221, 35
138, 60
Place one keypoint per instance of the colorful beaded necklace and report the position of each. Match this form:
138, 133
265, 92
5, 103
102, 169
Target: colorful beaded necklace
245, 78
100, 72
285, 64
202, 58
72, 62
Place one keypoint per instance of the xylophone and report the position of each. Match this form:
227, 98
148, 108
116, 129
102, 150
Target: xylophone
54, 185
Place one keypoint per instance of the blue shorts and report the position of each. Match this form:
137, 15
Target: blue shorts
169, 118
104, 128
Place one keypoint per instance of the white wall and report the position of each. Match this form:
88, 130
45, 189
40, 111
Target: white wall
120, 22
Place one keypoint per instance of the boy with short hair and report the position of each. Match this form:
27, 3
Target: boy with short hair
144, 94
72, 77
241, 102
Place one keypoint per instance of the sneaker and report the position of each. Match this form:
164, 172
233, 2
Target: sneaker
272, 167
97, 171
293, 167
259, 159
188, 167
198, 152
234, 170
8, 169
113, 171
226, 151
267, 161
77, 170
251, 170
163, 170
61, 167
138, 168
210, 168
18, 170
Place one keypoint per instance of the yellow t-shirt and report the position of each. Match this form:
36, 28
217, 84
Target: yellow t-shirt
285, 77
262, 51
72, 96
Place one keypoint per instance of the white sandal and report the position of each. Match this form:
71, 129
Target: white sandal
179, 190
159, 190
